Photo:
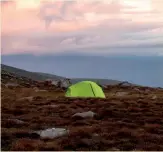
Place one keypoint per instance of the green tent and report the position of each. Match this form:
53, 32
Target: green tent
85, 89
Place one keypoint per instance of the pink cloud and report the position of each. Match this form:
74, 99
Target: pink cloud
75, 25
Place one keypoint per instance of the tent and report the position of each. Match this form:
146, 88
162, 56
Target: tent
85, 89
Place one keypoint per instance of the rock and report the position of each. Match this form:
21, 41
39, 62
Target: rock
65, 83
38, 90
53, 133
125, 83
104, 86
11, 85
62, 83
154, 97
35, 88
54, 82
120, 94
49, 80
88, 114
136, 89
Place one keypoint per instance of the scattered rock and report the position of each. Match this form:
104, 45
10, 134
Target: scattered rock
104, 86
136, 89
38, 90
154, 97
54, 82
125, 83
88, 114
53, 133
11, 85
65, 83
62, 83
120, 94
35, 88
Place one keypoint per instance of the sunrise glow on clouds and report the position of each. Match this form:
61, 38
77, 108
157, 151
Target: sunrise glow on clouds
35, 26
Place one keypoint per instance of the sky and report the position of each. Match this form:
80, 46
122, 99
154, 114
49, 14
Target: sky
104, 26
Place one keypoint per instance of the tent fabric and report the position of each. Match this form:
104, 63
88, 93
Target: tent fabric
85, 89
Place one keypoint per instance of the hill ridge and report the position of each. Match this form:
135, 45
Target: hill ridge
41, 76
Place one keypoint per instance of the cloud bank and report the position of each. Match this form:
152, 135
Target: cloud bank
110, 26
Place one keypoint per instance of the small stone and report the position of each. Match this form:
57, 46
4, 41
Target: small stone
39, 90
88, 114
11, 85
154, 97
53, 133
120, 94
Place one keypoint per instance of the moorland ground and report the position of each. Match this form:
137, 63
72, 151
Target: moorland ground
131, 121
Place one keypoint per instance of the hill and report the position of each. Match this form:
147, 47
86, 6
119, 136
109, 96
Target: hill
32, 75
99, 81
142, 70
39, 76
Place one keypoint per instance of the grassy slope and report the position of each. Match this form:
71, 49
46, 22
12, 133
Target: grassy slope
43, 76
32, 75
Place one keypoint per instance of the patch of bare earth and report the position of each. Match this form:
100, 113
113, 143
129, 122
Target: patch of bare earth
131, 121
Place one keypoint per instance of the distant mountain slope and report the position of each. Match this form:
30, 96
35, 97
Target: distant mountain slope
143, 70
28, 74
43, 76
100, 81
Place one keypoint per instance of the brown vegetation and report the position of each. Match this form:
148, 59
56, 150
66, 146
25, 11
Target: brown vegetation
130, 122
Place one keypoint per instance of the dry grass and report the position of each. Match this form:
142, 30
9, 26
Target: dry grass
131, 122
